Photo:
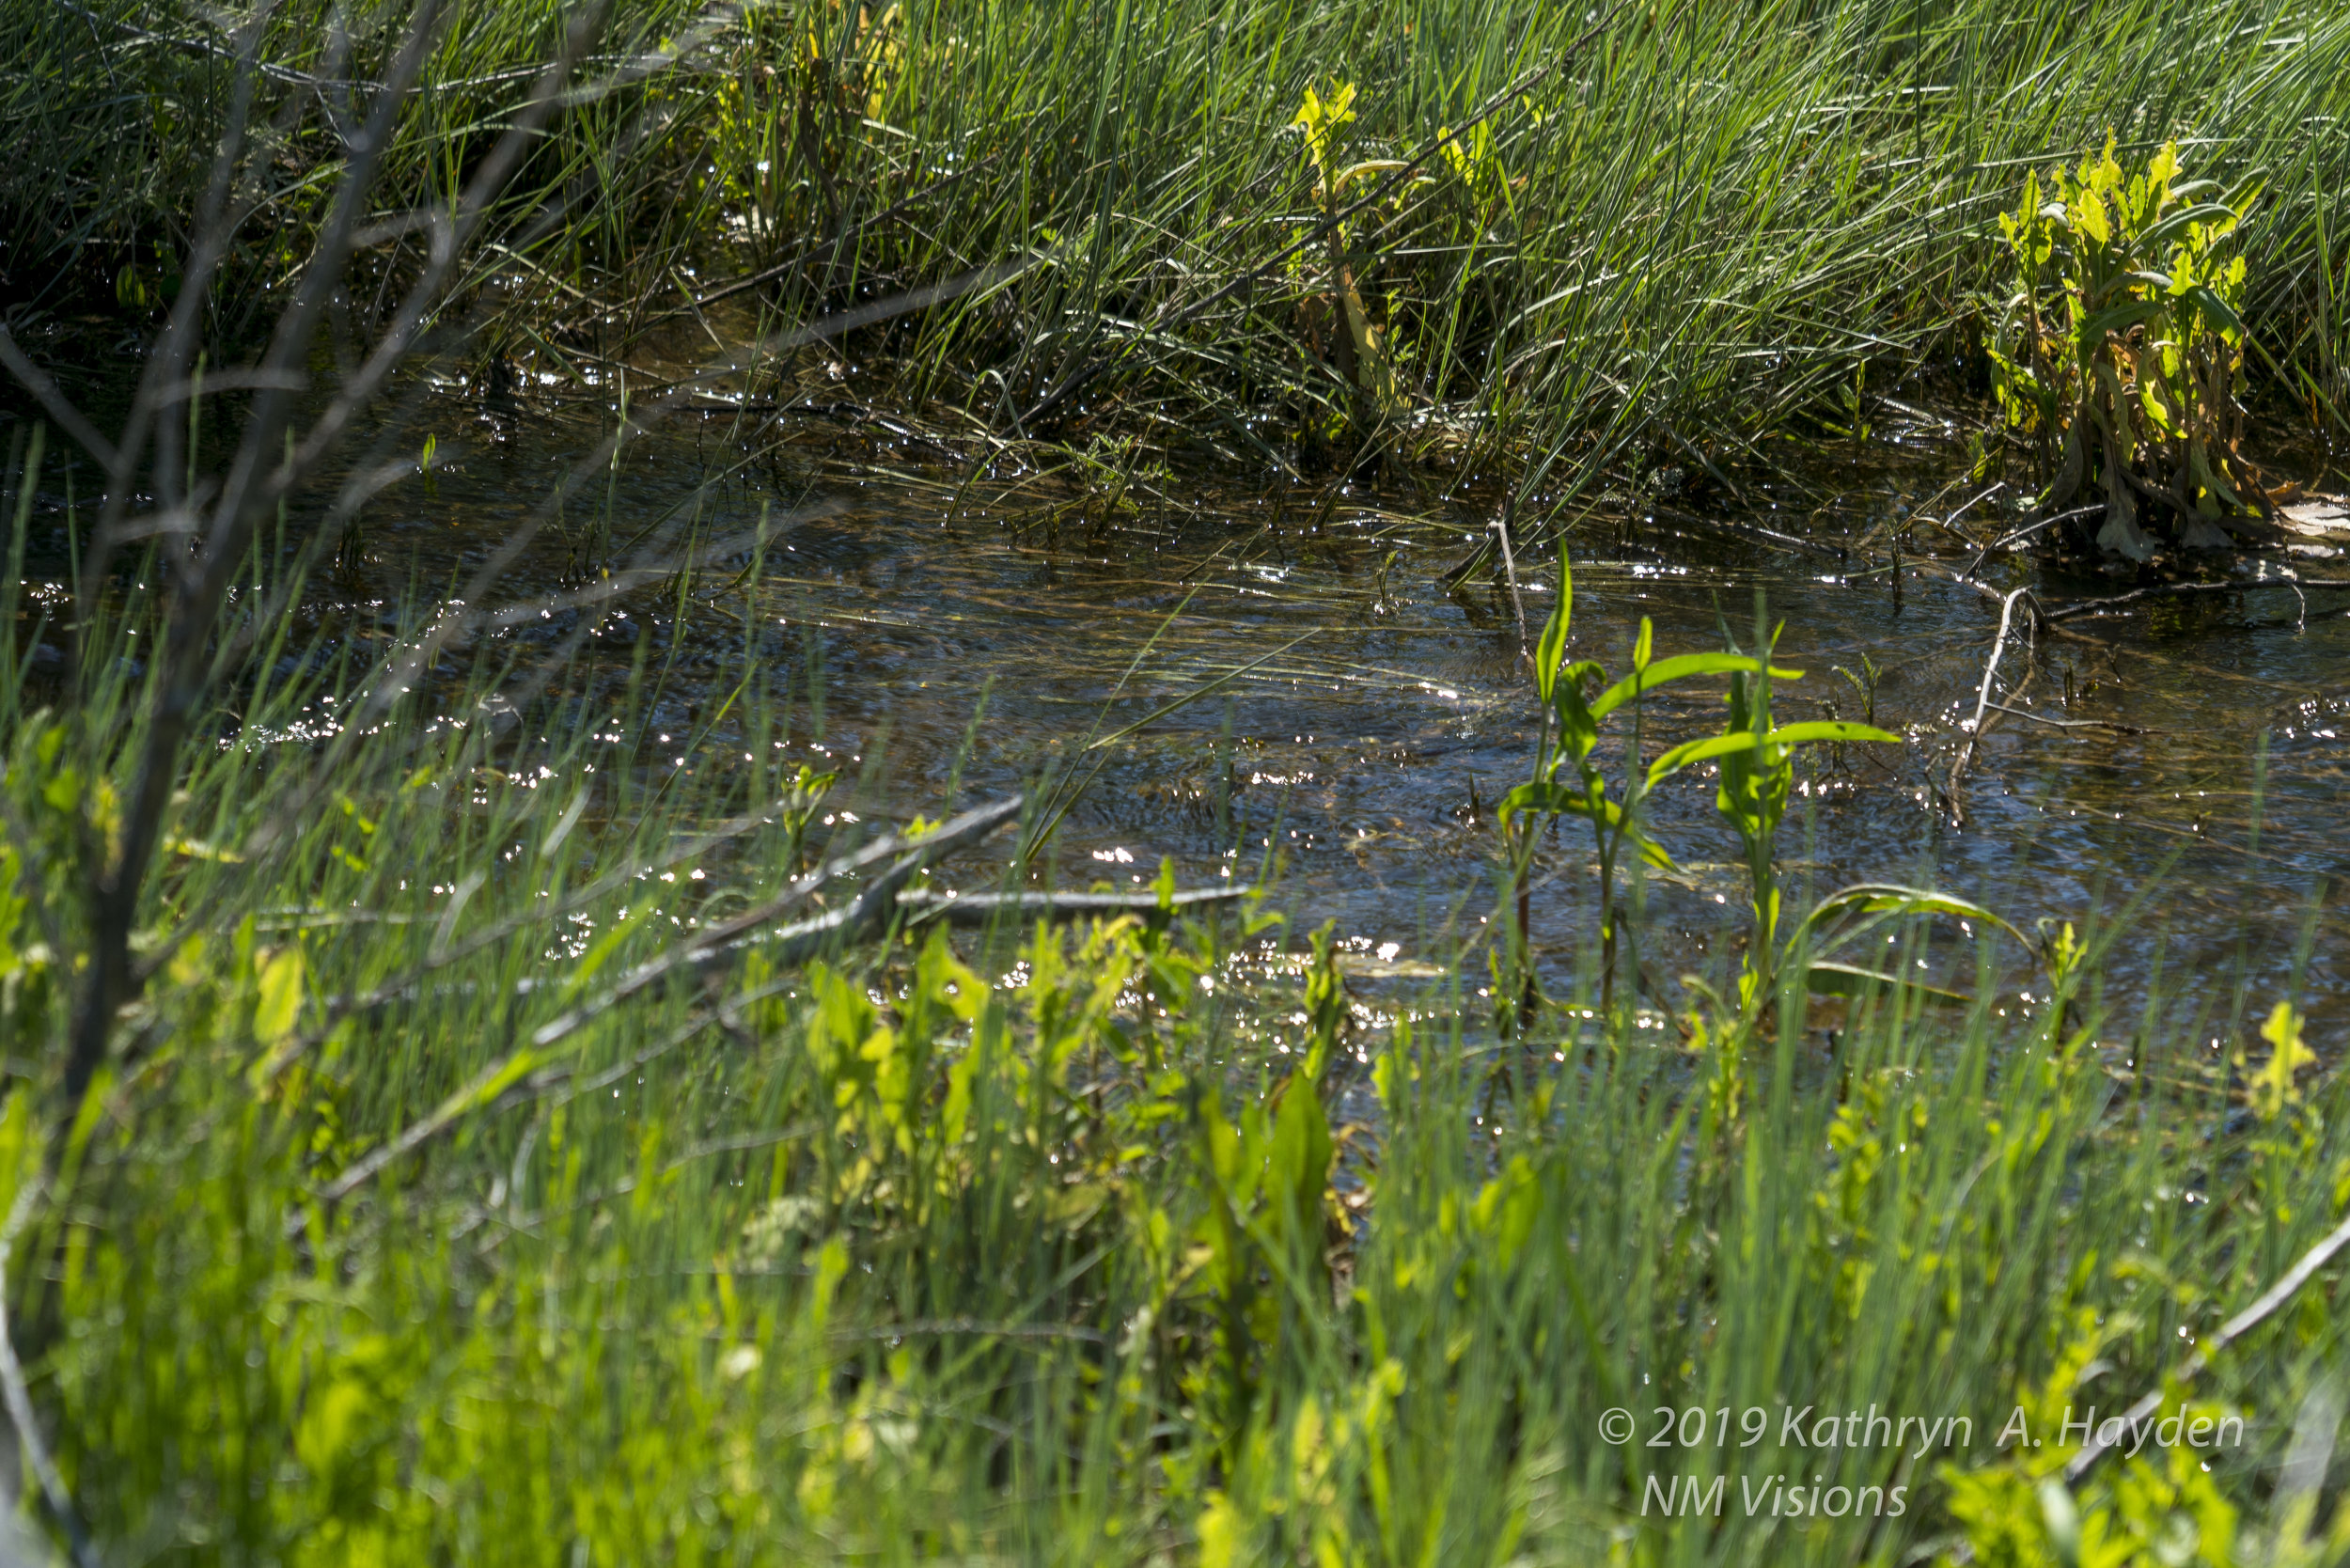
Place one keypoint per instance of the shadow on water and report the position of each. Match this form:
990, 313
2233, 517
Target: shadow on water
1360, 715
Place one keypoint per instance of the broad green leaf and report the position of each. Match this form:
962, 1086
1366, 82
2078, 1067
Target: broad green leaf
1848, 979
1579, 728
2176, 223
1645, 645
1829, 730
1651, 850
1698, 751
1608, 815
2216, 308
2086, 214
1678, 668
1301, 1148
1559, 800
1544, 795
2247, 192
1886, 897
1552, 650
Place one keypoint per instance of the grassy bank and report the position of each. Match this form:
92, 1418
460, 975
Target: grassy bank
419, 1211
1657, 229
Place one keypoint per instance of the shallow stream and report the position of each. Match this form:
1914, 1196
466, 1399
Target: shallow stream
2180, 768
2184, 768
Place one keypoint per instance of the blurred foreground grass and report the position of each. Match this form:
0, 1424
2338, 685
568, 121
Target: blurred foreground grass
399, 1230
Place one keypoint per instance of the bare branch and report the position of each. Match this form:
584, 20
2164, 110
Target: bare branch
406, 983
195, 606
2288, 1285
19, 1403
872, 906
69, 418
1983, 698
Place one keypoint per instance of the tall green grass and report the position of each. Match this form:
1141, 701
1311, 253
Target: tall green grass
394, 1227
1110, 1244
1692, 228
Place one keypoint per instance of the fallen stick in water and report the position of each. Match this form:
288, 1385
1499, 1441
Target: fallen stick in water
1983, 698
2077, 514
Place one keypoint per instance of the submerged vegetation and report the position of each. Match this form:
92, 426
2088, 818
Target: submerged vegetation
455, 1110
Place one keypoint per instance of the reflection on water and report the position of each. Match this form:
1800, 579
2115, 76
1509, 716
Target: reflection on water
1367, 756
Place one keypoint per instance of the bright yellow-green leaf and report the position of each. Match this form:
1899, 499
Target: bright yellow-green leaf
2087, 213
1222, 1533
1321, 119
2272, 1086
281, 996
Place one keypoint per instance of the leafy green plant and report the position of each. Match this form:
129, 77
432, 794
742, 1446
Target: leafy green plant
1758, 778
1263, 1239
1864, 683
2159, 1506
1644, 258
1755, 758
1358, 350
1568, 780
2121, 350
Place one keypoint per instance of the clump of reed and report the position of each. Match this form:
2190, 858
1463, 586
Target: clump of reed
1649, 229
